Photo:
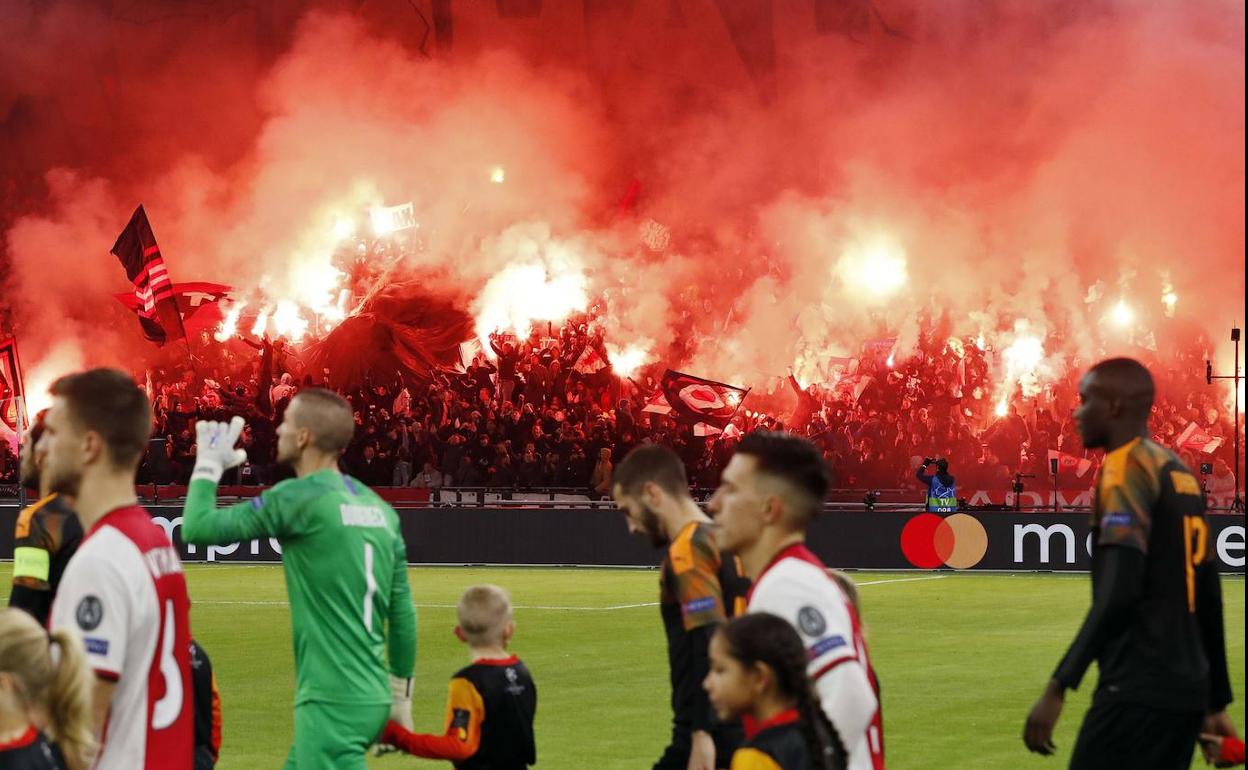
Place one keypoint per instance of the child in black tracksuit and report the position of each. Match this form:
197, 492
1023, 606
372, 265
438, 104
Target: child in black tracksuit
491, 703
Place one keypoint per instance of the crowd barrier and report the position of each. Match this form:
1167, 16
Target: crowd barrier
880, 540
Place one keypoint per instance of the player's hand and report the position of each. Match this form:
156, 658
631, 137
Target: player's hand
1211, 748
400, 714
1212, 731
1038, 732
401, 701
215, 451
702, 751
387, 742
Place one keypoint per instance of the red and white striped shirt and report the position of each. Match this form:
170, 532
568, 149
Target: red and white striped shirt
124, 592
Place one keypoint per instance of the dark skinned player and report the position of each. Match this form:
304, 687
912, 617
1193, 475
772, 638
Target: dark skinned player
1155, 626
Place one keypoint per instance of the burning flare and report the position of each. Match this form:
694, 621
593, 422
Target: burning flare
626, 361
1122, 315
523, 293
876, 268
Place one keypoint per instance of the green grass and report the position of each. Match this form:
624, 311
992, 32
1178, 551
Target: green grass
961, 659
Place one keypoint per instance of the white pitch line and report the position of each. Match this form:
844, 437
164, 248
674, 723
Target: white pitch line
544, 607
903, 580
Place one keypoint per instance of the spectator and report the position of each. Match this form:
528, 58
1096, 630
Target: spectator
428, 478
402, 475
600, 481
1222, 482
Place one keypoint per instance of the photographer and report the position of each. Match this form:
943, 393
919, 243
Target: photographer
942, 491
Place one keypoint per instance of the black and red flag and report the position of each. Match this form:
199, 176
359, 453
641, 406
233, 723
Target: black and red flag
695, 400
12, 404
198, 301
156, 303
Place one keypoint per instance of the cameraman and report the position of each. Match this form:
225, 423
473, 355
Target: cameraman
942, 491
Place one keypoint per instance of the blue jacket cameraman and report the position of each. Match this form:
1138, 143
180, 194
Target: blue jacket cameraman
942, 489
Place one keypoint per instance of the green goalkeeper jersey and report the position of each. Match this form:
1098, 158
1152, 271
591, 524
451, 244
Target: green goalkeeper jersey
346, 576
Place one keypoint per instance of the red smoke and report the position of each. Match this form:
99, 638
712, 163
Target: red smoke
1030, 163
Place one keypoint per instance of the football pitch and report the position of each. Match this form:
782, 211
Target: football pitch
961, 657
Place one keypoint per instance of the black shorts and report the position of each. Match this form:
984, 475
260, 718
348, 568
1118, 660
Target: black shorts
728, 738
1120, 735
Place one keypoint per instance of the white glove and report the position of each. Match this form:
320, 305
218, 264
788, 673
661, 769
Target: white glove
401, 700
215, 452
400, 710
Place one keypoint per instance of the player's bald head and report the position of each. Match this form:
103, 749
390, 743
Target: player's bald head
326, 416
1115, 398
1126, 382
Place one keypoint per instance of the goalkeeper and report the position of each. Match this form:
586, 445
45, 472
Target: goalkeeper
346, 576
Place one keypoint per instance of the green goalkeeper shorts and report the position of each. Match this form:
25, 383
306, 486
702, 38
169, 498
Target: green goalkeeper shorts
334, 736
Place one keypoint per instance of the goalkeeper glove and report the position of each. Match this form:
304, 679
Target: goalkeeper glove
401, 700
215, 452
400, 711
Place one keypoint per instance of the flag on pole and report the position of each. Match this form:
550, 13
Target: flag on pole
590, 361
1068, 463
12, 396
696, 400
1197, 438
198, 302
153, 290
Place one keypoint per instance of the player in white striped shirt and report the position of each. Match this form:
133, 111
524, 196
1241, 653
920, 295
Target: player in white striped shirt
768, 495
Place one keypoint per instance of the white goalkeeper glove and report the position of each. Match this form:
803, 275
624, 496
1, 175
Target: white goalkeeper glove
400, 710
215, 451
401, 701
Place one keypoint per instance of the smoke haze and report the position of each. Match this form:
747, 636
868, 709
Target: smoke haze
990, 165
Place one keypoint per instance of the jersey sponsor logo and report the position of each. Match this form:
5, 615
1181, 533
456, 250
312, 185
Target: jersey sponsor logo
811, 621
1117, 519
90, 613
163, 561
704, 604
361, 516
95, 646
824, 646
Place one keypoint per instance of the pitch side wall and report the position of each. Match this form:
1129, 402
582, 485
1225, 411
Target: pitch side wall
851, 540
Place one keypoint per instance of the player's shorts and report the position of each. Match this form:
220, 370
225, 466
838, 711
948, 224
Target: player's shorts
1120, 735
334, 736
728, 738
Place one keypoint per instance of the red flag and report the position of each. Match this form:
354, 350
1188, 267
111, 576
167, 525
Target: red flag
590, 361
1197, 438
657, 404
1068, 463
199, 303
153, 290
12, 403
696, 400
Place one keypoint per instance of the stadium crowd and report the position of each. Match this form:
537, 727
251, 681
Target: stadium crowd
528, 416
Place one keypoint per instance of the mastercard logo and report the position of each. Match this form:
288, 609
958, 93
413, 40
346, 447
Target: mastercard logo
930, 541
